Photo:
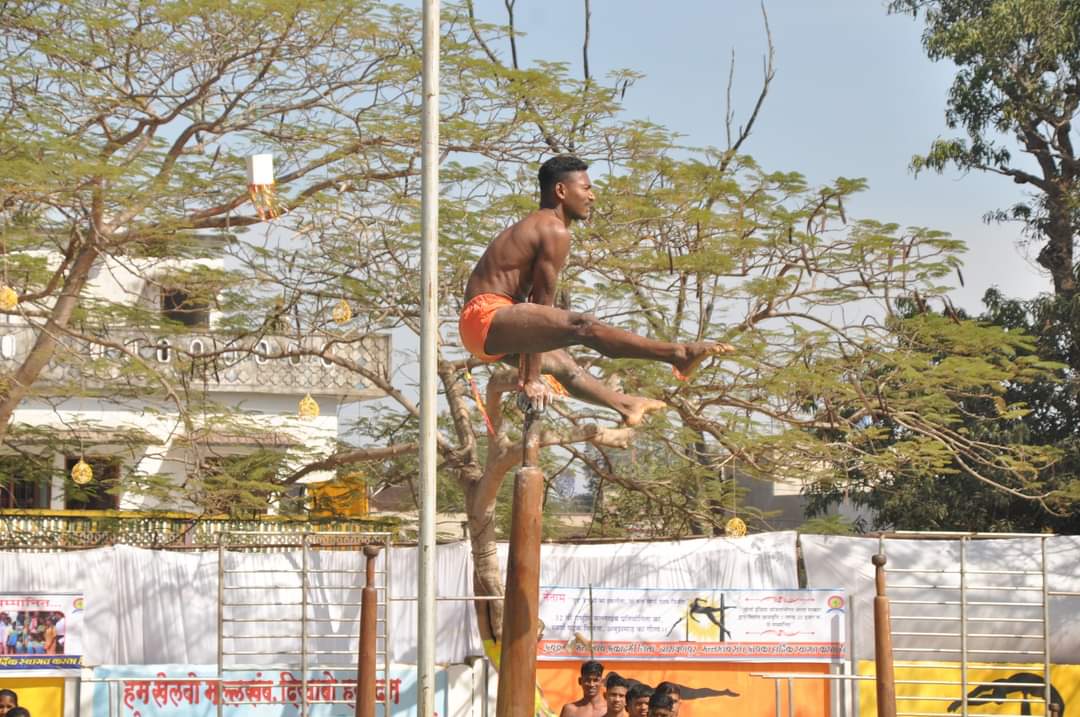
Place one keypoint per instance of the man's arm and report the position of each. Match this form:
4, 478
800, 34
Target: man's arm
553, 247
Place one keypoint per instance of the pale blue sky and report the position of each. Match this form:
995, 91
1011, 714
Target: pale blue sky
854, 96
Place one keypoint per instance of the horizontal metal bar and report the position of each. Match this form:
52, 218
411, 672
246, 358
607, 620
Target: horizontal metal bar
295, 635
957, 682
238, 653
956, 650
450, 597
971, 701
950, 571
1063, 593
255, 666
956, 618
1015, 636
808, 676
927, 666
925, 714
271, 619
969, 603
953, 534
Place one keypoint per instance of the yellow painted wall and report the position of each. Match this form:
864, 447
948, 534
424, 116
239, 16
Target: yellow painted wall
940, 697
42, 696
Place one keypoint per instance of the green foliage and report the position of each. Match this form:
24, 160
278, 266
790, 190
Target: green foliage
1017, 67
1034, 406
134, 170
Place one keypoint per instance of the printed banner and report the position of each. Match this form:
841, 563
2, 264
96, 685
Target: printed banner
175, 690
722, 625
40, 631
992, 689
41, 696
708, 689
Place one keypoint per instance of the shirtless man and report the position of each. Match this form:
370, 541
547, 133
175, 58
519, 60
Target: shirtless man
637, 700
615, 695
592, 703
509, 305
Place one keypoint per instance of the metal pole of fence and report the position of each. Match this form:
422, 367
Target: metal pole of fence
369, 610
963, 628
220, 622
883, 656
517, 665
1046, 627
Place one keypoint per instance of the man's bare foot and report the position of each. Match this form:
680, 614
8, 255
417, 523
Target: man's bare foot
637, 408
696, 353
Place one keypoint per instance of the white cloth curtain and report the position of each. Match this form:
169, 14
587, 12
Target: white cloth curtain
159, 607
994, 566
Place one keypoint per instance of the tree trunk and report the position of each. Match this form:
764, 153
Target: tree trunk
48, 338
1057, 255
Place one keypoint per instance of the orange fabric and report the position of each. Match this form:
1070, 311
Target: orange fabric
475, 322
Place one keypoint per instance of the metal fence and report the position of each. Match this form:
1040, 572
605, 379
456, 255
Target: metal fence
57, 531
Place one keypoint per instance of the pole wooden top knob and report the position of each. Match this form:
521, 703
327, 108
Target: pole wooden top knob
878, 560
371, 551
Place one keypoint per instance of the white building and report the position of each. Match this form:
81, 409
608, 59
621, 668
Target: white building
120, 432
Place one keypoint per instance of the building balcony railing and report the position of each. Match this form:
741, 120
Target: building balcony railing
269, 364
51, 530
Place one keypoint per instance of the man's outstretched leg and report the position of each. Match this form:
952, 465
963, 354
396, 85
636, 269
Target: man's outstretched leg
536, 328
583, 385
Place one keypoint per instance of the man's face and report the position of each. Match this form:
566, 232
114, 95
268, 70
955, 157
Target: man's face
590, 685
575, 193
6, 704
676, 700
616, 700
640, 707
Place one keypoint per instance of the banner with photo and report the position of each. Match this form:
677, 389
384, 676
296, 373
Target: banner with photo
41, 631
722, 625
189, 691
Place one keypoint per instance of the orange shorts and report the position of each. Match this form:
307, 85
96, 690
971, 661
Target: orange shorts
475, 322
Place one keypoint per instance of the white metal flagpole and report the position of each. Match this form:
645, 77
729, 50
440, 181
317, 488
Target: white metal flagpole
429, 305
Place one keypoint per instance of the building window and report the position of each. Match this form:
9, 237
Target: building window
179, 306
24, 483
94, 495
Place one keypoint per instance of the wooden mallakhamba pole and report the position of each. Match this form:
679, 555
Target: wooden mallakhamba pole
517, 664
369, 610
883, 653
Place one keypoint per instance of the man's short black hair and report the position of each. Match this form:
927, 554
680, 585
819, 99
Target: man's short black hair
668, 688
661, 701
614, 679
637, 692
555, 170
19, 712
592, 667
10, 693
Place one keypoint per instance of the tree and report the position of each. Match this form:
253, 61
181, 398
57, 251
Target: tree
1018, 78
953, 499
148, 110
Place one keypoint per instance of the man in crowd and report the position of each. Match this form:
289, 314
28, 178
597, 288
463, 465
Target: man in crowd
637, 700
592, 703
661, 705
615, 695
671, 690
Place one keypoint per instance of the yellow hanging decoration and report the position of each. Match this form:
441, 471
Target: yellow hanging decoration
342, 312
8, 298
82, 473
309, 407
735, 528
